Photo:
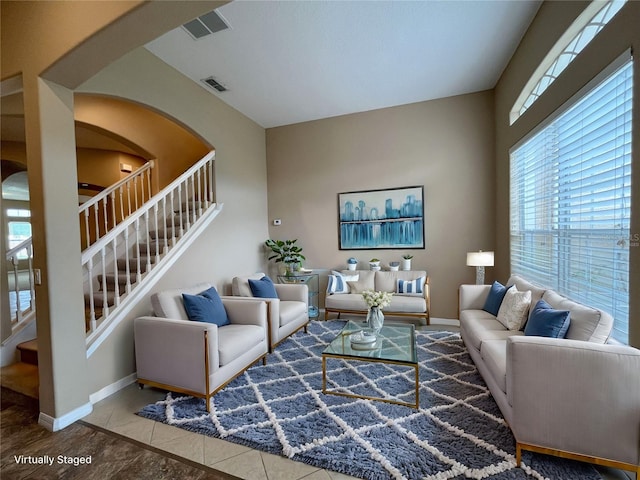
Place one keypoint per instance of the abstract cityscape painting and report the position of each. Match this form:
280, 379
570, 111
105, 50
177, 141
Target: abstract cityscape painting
390, 218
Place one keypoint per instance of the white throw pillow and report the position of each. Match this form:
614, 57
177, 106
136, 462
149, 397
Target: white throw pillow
514, 308
338, 282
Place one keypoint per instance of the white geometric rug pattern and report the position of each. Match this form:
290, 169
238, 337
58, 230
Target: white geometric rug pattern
458, 432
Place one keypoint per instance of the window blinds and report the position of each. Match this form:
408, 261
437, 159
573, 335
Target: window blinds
571, 201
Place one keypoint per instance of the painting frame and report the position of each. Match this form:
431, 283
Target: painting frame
382, 219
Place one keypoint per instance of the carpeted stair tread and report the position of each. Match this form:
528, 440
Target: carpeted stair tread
133, 263
151, 248
22, 378
100, 298
28, 351
197, 204
122, 280
159, 233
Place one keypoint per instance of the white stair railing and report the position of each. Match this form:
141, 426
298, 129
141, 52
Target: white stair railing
22, 295
103, 212
115, 265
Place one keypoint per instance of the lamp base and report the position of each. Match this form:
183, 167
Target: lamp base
479, 275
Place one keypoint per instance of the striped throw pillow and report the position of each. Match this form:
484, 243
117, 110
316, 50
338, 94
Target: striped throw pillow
410, 287
338, 283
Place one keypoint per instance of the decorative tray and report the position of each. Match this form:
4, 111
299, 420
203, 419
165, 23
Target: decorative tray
363, 338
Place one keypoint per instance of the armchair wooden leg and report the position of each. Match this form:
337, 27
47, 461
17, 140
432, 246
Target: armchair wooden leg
518, 454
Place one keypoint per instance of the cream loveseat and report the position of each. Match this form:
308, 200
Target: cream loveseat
574, 397
344, 292
195, 357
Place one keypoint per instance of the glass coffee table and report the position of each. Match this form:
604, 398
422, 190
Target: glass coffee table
395, 345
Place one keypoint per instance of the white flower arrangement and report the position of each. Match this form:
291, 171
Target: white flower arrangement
377, 299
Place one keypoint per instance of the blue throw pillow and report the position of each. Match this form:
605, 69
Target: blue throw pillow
263, 288
494, 300
544, 321
206, 307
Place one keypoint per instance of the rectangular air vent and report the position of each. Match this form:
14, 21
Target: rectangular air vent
214, 84
205, 25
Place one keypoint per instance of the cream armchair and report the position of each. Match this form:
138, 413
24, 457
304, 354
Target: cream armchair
197, 358
287, 314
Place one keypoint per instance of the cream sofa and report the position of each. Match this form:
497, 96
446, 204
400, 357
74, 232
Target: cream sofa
197, 358
401, 305
575, 397
286, 314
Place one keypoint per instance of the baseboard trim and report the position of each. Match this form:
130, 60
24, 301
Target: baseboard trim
54, 424
113, 388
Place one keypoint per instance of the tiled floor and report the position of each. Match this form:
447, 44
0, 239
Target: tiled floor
117, 414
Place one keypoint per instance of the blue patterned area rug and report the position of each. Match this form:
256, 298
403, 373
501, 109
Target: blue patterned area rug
457, 433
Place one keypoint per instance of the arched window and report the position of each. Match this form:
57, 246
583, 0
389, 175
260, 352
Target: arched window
576, 38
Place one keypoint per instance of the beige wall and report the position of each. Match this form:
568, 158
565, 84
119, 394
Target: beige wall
552, 21
232, 244
173, 147
445, 145
68, 42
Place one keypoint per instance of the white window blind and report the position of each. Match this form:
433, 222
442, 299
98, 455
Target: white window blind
571, 201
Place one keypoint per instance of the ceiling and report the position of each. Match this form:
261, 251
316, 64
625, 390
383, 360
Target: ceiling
286, 62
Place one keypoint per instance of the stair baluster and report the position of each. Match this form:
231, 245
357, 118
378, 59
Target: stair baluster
140, 240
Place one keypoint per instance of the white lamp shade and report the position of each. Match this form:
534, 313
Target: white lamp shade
480, 259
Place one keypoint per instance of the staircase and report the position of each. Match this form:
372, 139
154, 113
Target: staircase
129, 252
130, 238
22, 377
130, 269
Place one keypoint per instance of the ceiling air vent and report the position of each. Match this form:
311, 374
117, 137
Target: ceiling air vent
214, 84
205, 25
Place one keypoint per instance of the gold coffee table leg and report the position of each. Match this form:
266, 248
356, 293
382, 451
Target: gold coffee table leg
324, 374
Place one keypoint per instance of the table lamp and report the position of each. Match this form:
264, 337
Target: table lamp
480, 260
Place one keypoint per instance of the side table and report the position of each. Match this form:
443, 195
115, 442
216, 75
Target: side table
312, 282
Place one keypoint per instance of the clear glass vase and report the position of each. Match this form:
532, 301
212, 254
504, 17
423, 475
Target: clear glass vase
375, 319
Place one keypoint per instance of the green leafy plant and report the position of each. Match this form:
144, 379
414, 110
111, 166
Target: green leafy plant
407, 256
285, 251
374, 260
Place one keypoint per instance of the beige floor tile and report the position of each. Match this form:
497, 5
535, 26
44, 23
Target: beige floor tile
216, 450
99, 417
137, 428
281, 468
317, 475
189, 446
247, 465
163, 433
122, 416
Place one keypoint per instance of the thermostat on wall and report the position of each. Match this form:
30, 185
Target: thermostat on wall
277, 221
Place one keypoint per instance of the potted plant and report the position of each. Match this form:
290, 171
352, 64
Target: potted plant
352, 263
287, 252
406, 261
374, 264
